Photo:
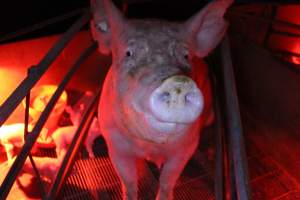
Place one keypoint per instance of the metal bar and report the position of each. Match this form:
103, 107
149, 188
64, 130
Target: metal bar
42, 24
219, 162
26, 118
285, 53
262, 19
234, 125
287, 34
22, 90
38, 175
77, 140
270, 26
40, 182
219, 176
31, 138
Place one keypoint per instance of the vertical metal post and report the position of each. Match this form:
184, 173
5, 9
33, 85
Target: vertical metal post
219, 162
270, 26
26, 120
234, 126
219, 178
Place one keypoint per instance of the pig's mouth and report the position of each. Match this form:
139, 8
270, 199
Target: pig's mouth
164, 126
160, 125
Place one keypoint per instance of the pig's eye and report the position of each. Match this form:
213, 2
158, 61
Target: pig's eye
129, 53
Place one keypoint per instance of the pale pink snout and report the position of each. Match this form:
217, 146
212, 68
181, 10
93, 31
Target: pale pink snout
177, 100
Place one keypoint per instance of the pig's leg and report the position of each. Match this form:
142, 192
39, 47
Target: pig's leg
170, 172
126, 169
93, 133
89, 146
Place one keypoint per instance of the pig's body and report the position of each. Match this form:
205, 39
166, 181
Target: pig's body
156, 97
12, 136
63, 137
46, 166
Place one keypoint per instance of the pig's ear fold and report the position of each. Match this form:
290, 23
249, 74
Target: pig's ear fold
205, 29
107, 25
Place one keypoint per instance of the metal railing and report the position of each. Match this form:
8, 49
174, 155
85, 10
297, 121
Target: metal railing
239, 184
6, 109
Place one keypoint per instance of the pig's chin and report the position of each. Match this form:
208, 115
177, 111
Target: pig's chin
164, 127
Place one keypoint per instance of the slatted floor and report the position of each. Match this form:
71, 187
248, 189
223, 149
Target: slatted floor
96, 178
270, 177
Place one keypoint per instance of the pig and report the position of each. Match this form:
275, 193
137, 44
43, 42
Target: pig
156, 98
63, 136
12, 136
46, 166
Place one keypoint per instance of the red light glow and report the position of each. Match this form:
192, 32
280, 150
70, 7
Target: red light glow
295, 60
291, 14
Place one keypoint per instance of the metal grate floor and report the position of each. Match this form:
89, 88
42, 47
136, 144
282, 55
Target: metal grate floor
269, 178
96, 179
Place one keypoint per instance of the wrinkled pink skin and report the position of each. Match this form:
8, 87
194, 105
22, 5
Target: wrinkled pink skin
145, 53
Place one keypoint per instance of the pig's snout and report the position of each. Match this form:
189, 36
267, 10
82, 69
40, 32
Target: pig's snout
177, 100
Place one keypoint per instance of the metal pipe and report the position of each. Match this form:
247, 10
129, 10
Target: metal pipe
234, 126
219, 179
77, 140
285, 53
31, 138
24, 87
26, 123
262, 19
219, 162
287, 34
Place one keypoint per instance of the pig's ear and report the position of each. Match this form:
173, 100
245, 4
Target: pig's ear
107, 25
205, 29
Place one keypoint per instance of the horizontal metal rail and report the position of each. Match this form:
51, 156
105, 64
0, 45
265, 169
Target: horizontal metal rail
234, 126
286, 34
77, 141
31, 138
285, 53
25, 86
264, 20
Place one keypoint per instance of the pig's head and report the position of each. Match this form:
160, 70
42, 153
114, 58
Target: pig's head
152, 65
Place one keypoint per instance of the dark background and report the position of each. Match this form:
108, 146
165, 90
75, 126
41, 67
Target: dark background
16, 15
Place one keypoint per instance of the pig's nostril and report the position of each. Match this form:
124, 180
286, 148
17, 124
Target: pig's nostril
165, 96
192, 97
